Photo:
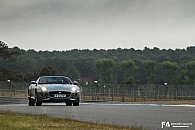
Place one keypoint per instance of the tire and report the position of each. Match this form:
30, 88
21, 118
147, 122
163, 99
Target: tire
76, 103
68, 103
38, 102
31, 102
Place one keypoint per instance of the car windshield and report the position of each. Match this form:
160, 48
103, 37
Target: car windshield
54, 80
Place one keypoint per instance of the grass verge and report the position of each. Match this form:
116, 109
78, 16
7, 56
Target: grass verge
20, 121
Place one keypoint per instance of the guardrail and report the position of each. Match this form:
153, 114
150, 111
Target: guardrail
13, 93
10, 100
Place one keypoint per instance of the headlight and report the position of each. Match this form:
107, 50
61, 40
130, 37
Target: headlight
74, 89
44, 89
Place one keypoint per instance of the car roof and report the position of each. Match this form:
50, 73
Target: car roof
54, 76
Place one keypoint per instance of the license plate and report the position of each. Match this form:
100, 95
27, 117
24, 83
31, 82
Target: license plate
60, 95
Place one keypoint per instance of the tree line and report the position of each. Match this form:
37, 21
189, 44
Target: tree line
129, 66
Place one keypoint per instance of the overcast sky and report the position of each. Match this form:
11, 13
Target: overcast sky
97, 24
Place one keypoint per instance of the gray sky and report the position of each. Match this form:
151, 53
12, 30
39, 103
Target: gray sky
101, 24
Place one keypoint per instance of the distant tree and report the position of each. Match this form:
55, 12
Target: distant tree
25, 65
31, 60
105, 69
150, 68
72, 73
28, 77
12, 75
6, 54
190, 73
169, 71
47, 70
191, 49
85, 66
130, 80
183, 78
130, 70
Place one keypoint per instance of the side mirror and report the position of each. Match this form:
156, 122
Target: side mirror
33, 82
75, 82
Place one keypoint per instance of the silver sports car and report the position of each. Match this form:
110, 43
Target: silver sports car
53, 89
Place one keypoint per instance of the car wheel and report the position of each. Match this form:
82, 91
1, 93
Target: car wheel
76, 103
31, 102
68, 103
38, 103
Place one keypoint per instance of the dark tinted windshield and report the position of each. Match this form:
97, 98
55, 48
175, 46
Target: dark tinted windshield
54, 80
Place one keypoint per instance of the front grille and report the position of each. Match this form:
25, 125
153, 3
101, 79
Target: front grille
59, 92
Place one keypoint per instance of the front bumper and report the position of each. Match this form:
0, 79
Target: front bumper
51, 96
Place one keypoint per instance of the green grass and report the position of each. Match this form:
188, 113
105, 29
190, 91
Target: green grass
20, 121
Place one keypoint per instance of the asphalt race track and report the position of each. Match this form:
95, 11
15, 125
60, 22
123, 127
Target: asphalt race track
150, 116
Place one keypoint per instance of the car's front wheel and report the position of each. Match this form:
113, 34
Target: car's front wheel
38, 102
68, 103
31, 101
76, 103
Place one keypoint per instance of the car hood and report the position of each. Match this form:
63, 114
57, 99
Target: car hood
59, 87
